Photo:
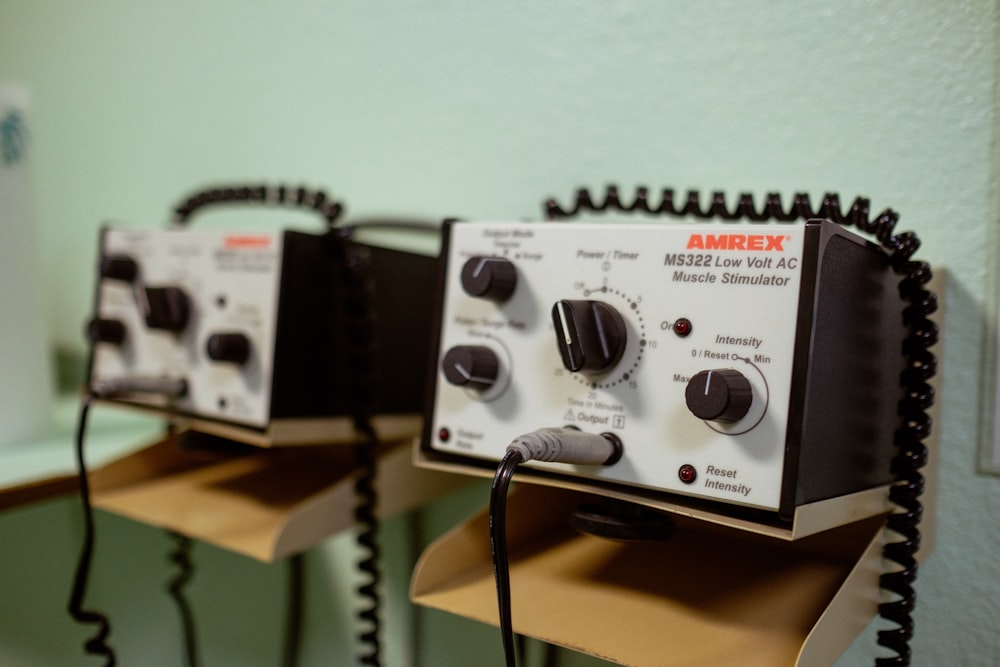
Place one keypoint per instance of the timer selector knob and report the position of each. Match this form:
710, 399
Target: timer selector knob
473, 366
492, 278
591, 335
722, 395
233, 348
167, 308
103, 330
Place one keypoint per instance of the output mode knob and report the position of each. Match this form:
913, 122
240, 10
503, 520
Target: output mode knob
473, 366
119, 267
723, 395
492, 278
591, 335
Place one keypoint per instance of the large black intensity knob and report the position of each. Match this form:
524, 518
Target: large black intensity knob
491, 278
591, 335
104, 330
473, 366
233, 348
167, 308
722, 395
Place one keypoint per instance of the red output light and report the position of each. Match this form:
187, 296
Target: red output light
444, 435
687, 473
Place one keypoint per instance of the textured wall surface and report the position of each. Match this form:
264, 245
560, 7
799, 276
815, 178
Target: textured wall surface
483, 110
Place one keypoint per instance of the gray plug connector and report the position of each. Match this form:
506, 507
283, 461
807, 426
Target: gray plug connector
567, 445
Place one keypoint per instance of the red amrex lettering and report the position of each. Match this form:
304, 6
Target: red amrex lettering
247, 241
736, 242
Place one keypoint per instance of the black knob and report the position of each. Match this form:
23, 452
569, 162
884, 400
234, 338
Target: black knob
167, 308
232, 348
722, 395
591, 335
491, 278
473, 366
119, 267
101, 330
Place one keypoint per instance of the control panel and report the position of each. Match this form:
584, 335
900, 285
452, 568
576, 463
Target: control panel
756, 366
260, 326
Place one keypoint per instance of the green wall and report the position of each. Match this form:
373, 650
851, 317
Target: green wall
439, 109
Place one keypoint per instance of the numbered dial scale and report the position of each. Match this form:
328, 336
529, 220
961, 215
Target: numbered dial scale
752, 365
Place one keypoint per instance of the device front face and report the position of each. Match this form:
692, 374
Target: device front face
679, 339
197, 305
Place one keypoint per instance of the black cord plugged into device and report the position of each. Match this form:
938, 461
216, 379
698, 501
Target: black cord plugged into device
170, 388
921, 364
556, 445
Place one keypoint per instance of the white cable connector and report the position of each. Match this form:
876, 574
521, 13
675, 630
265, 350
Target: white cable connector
568, 445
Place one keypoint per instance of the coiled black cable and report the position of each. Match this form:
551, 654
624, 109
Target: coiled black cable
181, 558
301, 197
921, 364
353, 263
97, 643
359, 316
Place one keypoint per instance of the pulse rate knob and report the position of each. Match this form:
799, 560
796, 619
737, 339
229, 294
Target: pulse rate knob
492, 278
722, 395
472, 366
591, 335
233, 348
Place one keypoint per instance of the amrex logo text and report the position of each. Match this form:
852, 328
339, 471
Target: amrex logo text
737, 242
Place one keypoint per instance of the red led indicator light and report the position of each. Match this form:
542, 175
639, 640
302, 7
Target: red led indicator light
444, 435
687, 473
682, 327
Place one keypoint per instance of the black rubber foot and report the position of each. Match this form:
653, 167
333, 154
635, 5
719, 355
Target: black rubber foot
623, 521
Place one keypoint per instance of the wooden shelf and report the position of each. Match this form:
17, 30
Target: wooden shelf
711, 595
264, 503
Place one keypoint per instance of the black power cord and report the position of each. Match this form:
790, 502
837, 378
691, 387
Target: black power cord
921, 364
294, 608
181, 558
554, 445
167, 387
97, 643
498, 548
359, 315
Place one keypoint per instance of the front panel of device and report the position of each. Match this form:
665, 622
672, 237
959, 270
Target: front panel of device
679, 339
197, 305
